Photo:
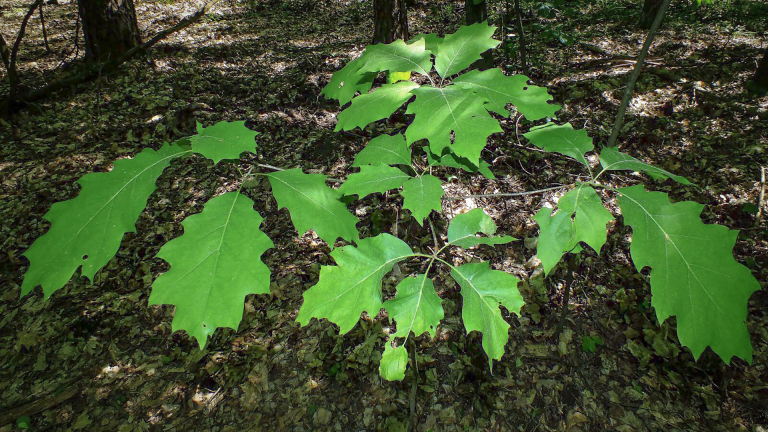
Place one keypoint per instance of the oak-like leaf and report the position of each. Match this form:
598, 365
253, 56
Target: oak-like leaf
86, 230
223, 140
581, 217
393, 362
214, 265
376, 105
353, 286
499, 90
694, 275
372, 179
483, 291
459, 50
348, 81
464, 227
384, 149
563, 139
398, 57
416, 307
421, 195
313, 205
614, 160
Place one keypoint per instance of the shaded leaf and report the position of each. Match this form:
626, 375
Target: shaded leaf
214, 265
463, 229
693, 273
563, 139
348, 81
449, 159
613, 160
313, 205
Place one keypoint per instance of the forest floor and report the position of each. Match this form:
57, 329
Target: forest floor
96, 357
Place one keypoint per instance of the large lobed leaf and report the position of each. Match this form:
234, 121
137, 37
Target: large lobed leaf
376, 105
459, 50
313, 205
372, 179
483, 291
499, 90
453, 109
614, 160
214, 265
421, 195
563, 139
348, 81
353, 286
223, 140
416, 307
694, 275
384, 149
581, 218
86, 230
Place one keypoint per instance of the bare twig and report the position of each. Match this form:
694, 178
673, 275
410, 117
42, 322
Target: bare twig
45, 34
572, 265
635, 73
522, 50
38, 404
500, 195
761, 201
13, 77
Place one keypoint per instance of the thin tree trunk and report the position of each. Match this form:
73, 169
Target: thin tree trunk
649, 12
45, 34
760, 80
13, 77
635, 73
522, 49
390, 21
5, 53
110, 28
477, 12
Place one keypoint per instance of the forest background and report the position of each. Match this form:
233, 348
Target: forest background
95, 356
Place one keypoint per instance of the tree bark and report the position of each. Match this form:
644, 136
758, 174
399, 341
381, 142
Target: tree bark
5, 52
477, 13
649, 12
390, 21
110, 28
760, 80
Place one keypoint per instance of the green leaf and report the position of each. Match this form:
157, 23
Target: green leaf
463, 229
613, 160
693, 273
345, 83
459, 50
86, 230
377, 105
313, 205
499, 90
372, 179
563, 139
440, 111
581, 217
24, 422
422, 195
397, 56
589, 344
393, 363
385, 149
416, 308
353, 286
449, 159
431, 41
483, 291
214, 265
223, 140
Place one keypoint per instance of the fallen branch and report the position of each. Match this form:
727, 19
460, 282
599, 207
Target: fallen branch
38, 405
109, 66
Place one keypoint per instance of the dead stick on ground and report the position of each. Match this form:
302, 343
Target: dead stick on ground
38, 405
635, 73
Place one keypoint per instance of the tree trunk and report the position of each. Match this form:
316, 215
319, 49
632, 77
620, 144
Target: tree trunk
760, 80
5, 52
390, 21
650, 9
110, 28
477, 12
